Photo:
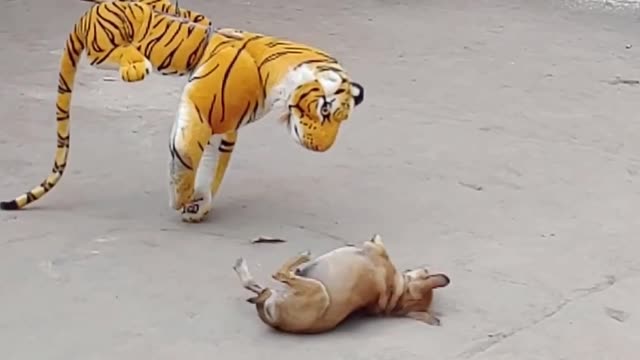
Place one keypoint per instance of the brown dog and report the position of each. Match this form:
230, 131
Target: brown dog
325, 291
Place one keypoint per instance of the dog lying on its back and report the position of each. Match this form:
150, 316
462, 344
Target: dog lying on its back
323, 292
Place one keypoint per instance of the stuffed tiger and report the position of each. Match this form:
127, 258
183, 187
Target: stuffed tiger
134, 37
165, 7
238, 80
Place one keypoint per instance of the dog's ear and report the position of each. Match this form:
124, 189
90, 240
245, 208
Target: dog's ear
437, 281
252, 300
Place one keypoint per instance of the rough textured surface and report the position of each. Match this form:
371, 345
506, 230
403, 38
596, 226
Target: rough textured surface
495, 144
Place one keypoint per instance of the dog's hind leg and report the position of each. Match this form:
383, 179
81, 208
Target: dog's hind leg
311, 290
299, 284
290, 265
246, 279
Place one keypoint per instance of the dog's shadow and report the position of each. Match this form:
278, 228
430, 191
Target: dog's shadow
355, 321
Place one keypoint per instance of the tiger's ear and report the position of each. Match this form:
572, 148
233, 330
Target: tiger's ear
357, 91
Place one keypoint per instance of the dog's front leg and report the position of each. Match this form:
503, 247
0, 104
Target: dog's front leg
424, 317
242, 270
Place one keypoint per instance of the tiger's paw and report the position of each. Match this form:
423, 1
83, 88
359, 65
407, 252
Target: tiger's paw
196, 210
136, 71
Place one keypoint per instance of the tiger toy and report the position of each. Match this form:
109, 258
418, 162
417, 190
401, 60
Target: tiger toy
235, 79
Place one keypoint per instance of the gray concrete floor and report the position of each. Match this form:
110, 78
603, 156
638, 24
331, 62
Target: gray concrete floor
491, 146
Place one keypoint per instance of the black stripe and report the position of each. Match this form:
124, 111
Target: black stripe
193, 58
213, 106
198, 77
264, 82
62, 114
100, 60
226, 143
278, 55
70, 54
175, 154
315, 61
227, 72
146, 29
175, 34
169, 58
199, 114
244, 114
255, 111
63, 85
110, 35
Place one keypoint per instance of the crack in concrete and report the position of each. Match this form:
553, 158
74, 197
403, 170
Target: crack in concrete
496, 339
322, 233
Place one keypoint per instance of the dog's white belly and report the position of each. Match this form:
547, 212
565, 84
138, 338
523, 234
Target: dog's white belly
340, 271
333, 264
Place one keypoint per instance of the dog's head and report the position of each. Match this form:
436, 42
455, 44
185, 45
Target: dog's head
418, 290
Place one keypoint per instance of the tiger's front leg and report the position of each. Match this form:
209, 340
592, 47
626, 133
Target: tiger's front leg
189, 136
213, 166
220, 92
131, 63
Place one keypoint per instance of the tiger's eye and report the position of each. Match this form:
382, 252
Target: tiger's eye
325, 110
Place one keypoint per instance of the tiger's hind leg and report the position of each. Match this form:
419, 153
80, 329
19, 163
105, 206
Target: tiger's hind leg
189, 136
213, 166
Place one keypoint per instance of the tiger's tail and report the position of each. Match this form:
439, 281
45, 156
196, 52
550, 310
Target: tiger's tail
71, 54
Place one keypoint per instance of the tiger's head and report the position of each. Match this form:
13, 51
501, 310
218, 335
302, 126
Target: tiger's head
317, 106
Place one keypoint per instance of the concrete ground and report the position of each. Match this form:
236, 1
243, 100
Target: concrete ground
498, 143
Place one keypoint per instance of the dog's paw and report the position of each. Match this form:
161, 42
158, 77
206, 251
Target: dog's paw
239, 264
424, 317
432, 320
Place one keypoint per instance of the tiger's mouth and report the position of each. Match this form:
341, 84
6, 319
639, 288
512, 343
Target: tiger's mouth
294, 128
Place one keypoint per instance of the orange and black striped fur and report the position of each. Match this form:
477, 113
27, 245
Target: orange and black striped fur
135, 37
238, 80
